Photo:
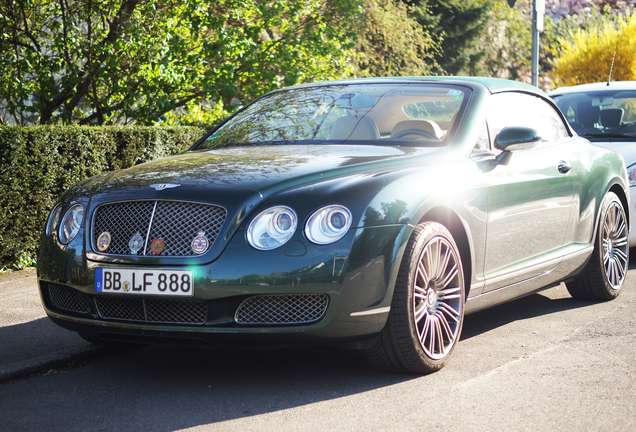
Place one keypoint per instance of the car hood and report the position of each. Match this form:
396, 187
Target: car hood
240, 179
252, 170
627, 149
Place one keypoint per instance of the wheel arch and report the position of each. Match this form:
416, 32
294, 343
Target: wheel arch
617, 188
454, 224
620, 193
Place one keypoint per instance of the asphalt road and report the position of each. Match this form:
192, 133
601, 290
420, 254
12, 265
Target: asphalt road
544, 362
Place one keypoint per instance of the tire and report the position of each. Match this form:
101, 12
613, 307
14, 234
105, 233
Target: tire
604, 274
427, 310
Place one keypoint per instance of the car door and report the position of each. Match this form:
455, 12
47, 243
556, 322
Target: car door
530, 198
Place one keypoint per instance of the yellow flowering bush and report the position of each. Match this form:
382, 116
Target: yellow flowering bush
586, 55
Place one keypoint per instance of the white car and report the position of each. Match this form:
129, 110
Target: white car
605, 114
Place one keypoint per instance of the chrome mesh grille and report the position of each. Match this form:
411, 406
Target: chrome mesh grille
176, 223
122, 221
282, 309
68, 299
152, 310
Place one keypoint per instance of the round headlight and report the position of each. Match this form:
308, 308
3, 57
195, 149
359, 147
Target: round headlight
272, 228
54, 219
328, 225
71, 223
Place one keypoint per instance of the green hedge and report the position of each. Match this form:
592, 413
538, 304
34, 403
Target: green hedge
37, 164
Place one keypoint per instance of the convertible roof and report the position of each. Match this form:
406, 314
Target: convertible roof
493, 85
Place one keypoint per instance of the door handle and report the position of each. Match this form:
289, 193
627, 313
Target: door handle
564, 167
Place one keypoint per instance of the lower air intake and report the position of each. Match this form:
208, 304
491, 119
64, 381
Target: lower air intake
152, 310
282, 309
68, 299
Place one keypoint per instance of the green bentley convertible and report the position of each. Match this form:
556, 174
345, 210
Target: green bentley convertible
372, 214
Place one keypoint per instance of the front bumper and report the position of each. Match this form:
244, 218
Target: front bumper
350, 278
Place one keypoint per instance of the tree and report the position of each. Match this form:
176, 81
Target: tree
124, 61
462, 25
587, 55
392, 43
508, 44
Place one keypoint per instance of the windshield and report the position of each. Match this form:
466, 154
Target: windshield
601, 115
393, 114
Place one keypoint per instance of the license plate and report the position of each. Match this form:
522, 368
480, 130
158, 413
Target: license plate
144, 281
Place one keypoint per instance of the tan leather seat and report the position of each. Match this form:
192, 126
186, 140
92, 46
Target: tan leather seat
354, 128
425, 125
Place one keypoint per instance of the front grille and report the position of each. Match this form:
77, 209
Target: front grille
175, 223
68, 299
282, 309
152, 310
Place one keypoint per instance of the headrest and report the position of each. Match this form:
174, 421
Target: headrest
425, 125
354, 128
612, 117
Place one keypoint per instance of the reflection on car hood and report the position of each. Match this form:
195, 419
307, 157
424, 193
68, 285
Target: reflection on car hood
265, 170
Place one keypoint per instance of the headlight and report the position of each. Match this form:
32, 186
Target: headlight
272, 228
54, 218
71, 223
631, 174
329, 224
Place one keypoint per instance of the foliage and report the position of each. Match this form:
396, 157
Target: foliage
587, 55
392, 43
125, 61
561, 9
508, 42
37, 164
462, 26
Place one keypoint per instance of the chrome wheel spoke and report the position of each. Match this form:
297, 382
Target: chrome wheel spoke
446, 329
443, 265
610, 271
438, 297
450, 293
620, 228
421, 313
620, 242
439, 339
614, 245
420, 293
430, 259
427, 333
620, 256
450, 312
422, 274
620, 274
450, 275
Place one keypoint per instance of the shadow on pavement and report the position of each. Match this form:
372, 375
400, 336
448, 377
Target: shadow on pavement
38, 345
531, 306
166, 389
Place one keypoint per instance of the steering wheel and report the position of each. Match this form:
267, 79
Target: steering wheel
420, 132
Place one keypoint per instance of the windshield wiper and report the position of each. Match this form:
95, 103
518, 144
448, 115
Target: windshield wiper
608, 135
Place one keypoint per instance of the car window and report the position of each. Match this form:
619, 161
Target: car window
387, 114
600, 113
520, 109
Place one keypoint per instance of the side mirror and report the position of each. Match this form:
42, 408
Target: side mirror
515, 138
